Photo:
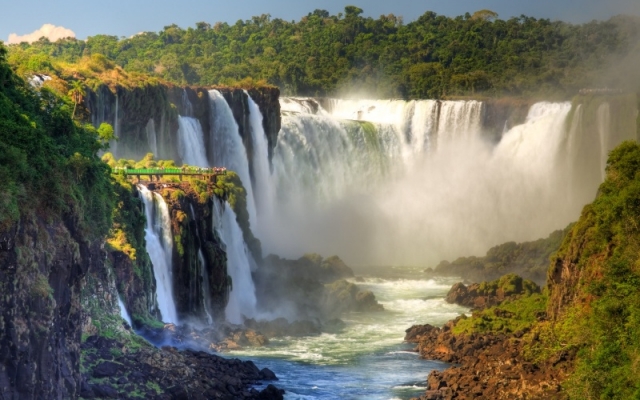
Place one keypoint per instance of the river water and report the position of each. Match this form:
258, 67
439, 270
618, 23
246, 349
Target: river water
367, 358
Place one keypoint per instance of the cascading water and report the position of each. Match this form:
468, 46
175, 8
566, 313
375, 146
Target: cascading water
191, 142
123, 311
242, 298
152, 139
186, 104
262, 187
227, 148
160, 248
426, 186
206, 291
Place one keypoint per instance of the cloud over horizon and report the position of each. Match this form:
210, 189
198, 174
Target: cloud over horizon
49, 31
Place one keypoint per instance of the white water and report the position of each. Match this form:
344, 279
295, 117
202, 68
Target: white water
227, 149
123, 311
206, 290
418, 183
191, 142
262, 187
160, 248
366, 359
152, 139
186, 104
242, 298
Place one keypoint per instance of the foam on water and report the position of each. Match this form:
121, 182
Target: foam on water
368, 357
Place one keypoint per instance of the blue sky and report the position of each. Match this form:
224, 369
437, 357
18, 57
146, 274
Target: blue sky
127, 17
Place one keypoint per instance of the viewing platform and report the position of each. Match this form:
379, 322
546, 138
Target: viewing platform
202, 173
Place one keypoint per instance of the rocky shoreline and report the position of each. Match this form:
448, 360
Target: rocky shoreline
112, 369
490, 365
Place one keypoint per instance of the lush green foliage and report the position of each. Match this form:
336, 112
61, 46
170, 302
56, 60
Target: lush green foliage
434, 56
48, 163
509, 317
597, 304
508, 285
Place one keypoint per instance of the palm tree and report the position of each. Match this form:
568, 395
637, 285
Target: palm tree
77, 95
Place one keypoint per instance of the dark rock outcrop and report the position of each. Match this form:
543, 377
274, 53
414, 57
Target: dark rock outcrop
42, 267
193, 231
153, 109
311, 288
113, 370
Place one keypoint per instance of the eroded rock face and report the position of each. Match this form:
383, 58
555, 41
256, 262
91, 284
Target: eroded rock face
42, 267
489, 366
195, 237
154, 109
311, 288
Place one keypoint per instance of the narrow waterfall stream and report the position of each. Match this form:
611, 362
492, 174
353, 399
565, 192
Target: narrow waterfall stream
242, 299
159, 246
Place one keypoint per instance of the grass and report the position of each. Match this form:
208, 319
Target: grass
509, 317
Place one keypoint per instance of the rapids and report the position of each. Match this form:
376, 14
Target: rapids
366, 359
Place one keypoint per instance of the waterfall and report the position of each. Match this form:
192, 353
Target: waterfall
603, 117
262, 187
123, 311
227, 149
113, 145
186, 104
206, 290
160, 248
242, 298
191, 142
394, 182
152, 139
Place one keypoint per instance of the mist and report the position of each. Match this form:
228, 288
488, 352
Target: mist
421, 183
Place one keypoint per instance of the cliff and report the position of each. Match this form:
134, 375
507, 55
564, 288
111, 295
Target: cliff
42, 267
197, 247
145, 116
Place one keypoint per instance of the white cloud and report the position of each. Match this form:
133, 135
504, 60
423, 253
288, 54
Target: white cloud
49, 31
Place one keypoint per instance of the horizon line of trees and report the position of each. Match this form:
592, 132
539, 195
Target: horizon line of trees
322, 54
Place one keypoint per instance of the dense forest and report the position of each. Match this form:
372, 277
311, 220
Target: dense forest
322, 54
48, 162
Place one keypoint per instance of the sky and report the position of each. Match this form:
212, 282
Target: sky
128, 17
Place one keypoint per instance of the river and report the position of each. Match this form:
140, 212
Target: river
367, 358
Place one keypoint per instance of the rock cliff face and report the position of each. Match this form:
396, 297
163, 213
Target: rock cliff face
490, 366
43, 262
197, 246
146, 118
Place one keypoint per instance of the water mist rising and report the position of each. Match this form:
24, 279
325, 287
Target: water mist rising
394, 182
242, 298
160, 248
191, 142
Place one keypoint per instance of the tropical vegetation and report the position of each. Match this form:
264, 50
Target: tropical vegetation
322, 54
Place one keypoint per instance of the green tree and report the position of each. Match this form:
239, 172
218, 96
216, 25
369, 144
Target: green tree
77, 95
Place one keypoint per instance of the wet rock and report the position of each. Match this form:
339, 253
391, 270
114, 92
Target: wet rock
271, 393
106, 369
105, 391
267, 375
